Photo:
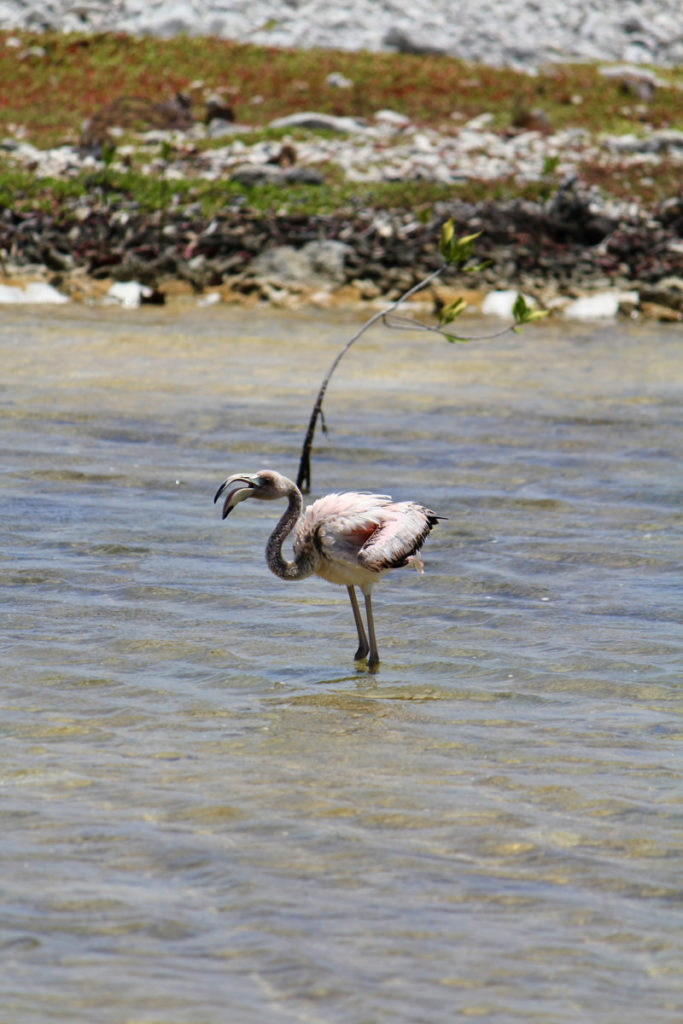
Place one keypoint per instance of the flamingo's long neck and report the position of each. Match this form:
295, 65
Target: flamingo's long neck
304, 563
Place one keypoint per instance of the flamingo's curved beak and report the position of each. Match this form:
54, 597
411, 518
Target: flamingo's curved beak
238, 487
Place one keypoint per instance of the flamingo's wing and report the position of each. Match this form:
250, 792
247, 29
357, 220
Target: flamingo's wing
365, 530
401, 533
338, 525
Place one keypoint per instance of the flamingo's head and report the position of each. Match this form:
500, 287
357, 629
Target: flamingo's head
267, 485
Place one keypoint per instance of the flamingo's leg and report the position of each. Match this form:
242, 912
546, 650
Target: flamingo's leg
373, 660
363, 647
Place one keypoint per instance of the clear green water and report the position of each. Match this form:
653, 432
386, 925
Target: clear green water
208, 813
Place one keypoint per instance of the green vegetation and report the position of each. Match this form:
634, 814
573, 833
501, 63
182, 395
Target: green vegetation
52, 94
22, 190
51, 83
648, 184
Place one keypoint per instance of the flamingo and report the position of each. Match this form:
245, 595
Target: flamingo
351, 539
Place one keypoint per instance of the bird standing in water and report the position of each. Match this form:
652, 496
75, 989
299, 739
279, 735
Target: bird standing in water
351, 539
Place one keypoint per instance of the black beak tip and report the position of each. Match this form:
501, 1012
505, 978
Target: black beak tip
218, 493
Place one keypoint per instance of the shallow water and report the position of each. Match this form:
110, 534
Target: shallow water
208, 812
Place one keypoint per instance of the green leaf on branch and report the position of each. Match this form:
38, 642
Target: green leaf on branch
455, 250
524, 314
474, 268
449, 313
447, 232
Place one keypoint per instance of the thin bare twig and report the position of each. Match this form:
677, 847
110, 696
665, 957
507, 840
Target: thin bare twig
455, 251
406, 323
303, 478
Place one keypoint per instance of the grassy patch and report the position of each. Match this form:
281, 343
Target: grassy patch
22, 191
650, 184
50, 83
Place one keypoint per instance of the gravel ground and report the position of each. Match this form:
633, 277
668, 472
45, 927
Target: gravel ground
520, 33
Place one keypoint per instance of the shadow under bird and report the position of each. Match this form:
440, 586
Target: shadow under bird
351, 539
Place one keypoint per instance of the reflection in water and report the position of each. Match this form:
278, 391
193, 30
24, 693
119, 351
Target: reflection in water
208, 813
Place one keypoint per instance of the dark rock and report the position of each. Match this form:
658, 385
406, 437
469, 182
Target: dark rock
525, 241
285, 157
55, 259
569, 216
154, 297
669, 294
670, 212
257, 174
215, 109
661, 312
400, 40
302, 176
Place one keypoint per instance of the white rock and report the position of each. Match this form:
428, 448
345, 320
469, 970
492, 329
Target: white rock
257, 174
601, 306
327, 258
283, 263
316, 264
36, 292
338, 81
479, 122
8, 293
318, 122
128, 293
500, 303
392, 117
39, 291
217, 127
632, 71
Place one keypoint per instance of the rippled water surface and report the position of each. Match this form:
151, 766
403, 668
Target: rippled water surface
209, 813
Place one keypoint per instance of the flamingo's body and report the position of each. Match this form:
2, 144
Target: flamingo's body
350, 539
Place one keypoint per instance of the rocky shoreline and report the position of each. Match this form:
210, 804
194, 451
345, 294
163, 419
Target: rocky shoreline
103, 245
553, 252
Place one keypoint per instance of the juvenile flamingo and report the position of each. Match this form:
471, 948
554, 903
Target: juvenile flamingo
351, 539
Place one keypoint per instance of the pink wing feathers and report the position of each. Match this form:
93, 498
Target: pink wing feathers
402, 531
365, 530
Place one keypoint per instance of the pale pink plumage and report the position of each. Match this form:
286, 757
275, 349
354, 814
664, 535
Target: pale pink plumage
351, 539
361, 536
